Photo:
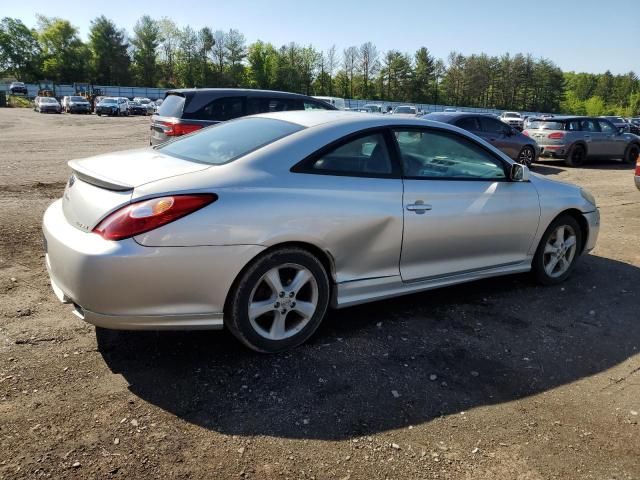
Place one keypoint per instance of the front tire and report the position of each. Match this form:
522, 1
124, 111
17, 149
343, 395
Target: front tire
278, 301
526, 156
558, 251
632, 153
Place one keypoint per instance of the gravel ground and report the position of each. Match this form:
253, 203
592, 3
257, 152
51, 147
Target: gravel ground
499, 379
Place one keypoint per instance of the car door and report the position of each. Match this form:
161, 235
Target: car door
499, 135
461, 212
470, 124
613, 143
592, 136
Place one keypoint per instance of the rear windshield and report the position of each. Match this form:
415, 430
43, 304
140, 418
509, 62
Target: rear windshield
228, 141
512, 115
48, 100
108, 100
405, 110
542, 125
77, 99
172, 106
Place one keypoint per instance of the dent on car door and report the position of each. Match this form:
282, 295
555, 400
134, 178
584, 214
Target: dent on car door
351, 196
461, 213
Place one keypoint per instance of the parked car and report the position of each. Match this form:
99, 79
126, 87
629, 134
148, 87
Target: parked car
113, 106
406, 110
18, 88
253, 224
576, 139
513, 119
147, 103
449, 109
47, 105
372, 108
634, 125
75, 104
619, 123
509, 140
136, 108
187, 110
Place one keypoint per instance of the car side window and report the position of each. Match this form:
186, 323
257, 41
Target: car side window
573, 126
490, 125
367, 155
265, 104
221, 109
606, 127
469, 123
309, 105
589, 125
433, 154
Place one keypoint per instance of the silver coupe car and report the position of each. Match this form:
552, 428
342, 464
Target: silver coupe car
262, 223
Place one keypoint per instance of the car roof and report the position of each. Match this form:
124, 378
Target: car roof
313, 118
237, 91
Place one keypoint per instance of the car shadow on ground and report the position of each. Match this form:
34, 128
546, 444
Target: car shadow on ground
395, 363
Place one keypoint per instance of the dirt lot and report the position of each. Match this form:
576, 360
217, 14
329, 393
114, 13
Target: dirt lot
499, 379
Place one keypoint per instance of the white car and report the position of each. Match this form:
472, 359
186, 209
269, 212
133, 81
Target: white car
513, 119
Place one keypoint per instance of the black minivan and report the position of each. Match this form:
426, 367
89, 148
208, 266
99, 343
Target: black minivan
187, 110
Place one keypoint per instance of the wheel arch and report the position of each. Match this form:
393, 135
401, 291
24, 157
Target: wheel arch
325, 258
582, 222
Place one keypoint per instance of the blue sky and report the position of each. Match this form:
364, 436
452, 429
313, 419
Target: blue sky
579, 35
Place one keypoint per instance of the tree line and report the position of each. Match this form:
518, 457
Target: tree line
163, 54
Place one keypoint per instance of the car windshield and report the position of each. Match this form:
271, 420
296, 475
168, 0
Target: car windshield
76, 99
405, 110
108, 100
144, 101
228, 141
542, 125
512, 115
615, 119
48, 100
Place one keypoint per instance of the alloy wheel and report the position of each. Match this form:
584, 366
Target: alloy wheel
283, 301
526, 156
559, 251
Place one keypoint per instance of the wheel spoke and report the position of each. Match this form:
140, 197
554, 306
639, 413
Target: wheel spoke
299, 281
277, 330
564, 264
550, 267
550, 248
570, 242
256, 309
306, 309
272, 278
559, 235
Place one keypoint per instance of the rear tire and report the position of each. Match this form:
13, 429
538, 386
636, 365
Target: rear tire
279, 301
632, 153
558, 251
576, 156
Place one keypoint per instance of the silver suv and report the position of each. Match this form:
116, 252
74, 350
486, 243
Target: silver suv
575, 139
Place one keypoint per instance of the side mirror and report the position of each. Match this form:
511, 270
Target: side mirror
519, 173
622, 130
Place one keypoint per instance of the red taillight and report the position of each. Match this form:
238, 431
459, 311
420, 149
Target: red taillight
140, 217
556, 136
638, 166
176, 129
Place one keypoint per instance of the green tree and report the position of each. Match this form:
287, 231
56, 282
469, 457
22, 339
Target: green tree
110, 59
65, 57
20, 54
595, 106
145, 44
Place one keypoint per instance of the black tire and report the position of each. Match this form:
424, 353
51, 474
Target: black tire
237, 308
632, 153
527, 156
576, 156
538, 265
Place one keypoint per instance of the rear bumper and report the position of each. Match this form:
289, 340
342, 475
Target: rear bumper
593, 220
553, 151
124, 285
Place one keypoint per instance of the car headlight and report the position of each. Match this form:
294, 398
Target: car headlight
588, 197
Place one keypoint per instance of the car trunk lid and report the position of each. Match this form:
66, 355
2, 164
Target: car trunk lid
102, 184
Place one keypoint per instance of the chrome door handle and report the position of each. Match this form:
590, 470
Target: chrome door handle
418, 207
